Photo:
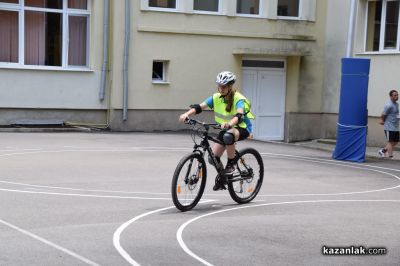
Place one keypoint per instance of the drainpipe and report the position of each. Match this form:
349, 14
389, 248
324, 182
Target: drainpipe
126, 59
352, 23
105, 50
103, 83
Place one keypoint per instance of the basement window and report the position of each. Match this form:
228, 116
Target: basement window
159, 74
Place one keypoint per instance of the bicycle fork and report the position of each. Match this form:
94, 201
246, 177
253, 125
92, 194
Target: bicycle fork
193, 179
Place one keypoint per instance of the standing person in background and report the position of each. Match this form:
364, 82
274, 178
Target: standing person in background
390, 121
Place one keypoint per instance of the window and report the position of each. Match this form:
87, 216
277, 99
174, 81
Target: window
382, 29
55, 33
8, 36
162, 3
206, 5
248, 7
77, 49
43, 38
159, 71
288, 8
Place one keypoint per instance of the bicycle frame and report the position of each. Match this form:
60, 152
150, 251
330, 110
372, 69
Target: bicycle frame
205, 146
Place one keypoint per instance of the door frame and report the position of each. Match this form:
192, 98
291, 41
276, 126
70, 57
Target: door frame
258, 69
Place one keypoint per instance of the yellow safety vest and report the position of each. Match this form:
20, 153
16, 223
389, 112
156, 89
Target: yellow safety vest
222, 116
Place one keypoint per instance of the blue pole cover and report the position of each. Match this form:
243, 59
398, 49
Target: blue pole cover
351, 134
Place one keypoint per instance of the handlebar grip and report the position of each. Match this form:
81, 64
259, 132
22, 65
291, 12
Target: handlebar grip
190, 121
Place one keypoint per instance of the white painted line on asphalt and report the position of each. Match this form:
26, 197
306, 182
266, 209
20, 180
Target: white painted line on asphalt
331, 162
140, 149
81, 189
131, 148
118, 232
198, 258
81, 195
47, 242
17, 149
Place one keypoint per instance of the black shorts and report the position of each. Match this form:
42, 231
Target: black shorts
392, 136
243, 134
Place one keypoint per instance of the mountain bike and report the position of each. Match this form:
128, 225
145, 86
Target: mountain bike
190, 175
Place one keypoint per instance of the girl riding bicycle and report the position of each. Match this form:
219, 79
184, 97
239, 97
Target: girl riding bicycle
232, 112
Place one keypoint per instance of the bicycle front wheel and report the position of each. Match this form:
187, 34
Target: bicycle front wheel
246, 186
189, 181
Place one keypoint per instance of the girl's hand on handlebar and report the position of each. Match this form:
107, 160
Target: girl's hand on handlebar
183, 118
226, 126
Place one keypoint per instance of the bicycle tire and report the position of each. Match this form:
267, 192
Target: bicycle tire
189, 181
245, 189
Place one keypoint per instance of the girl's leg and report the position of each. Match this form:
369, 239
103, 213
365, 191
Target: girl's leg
218, 150
230, 150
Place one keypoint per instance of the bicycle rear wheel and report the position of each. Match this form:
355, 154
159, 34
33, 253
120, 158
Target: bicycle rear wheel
189, 181
246, 186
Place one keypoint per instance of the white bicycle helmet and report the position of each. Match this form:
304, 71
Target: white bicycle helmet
225, 77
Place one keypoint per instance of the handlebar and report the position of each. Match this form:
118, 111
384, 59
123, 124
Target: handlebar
193, 122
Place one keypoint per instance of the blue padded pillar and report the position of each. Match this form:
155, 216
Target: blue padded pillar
351, 137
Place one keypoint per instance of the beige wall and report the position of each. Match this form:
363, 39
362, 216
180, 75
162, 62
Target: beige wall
199, 46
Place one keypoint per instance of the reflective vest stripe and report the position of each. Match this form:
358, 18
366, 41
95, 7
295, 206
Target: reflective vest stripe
225, 117
220, 114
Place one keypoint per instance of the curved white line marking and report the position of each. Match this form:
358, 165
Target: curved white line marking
330, 162
141, 149
80, 195
11, 149
196, 257
81, 189
118, 232
47, 242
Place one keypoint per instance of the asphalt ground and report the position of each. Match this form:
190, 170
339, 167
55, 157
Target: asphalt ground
104, 199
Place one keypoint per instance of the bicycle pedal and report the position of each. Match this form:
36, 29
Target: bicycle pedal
218, 186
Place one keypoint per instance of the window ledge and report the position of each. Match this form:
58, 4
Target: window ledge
160, 82
379, 53
46, 68
289, 18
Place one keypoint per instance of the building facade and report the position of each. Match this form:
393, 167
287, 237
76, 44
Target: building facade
136, 65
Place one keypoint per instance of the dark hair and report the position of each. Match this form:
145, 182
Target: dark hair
391, 92
231, 96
